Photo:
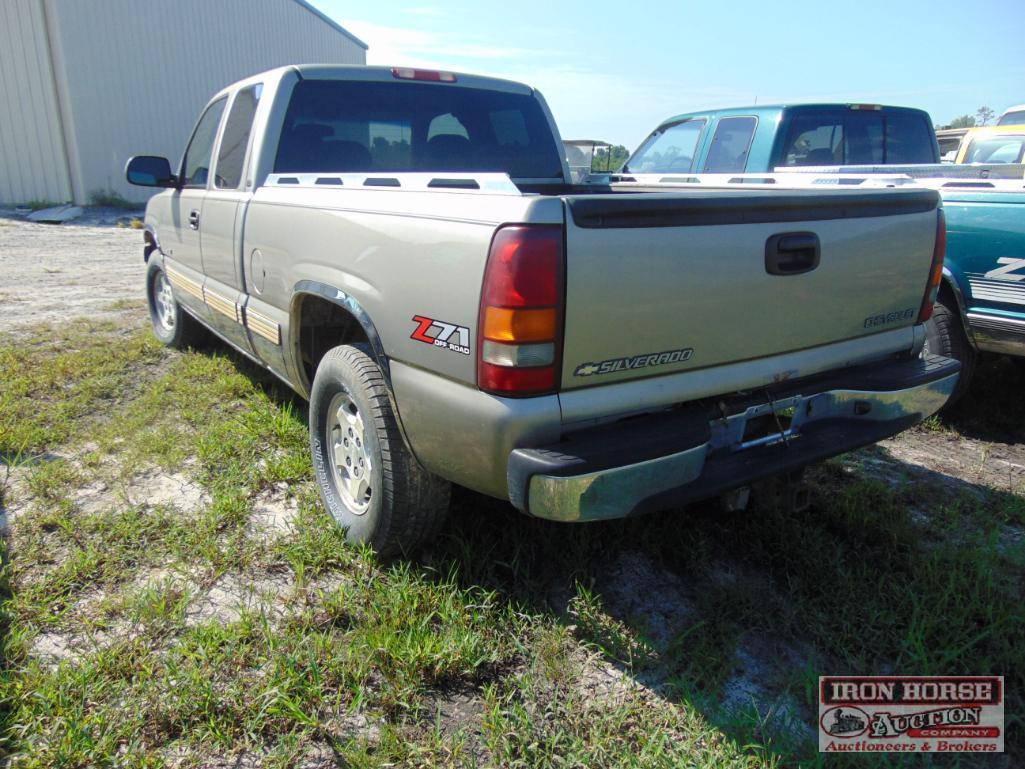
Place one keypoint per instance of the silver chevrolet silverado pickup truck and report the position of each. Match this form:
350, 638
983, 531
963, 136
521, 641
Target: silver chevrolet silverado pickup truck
406, 249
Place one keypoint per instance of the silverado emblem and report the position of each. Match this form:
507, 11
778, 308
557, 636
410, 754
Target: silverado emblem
612, 365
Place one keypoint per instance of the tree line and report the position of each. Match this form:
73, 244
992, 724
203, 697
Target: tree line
982, 117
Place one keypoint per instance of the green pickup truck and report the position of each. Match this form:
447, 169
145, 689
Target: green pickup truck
759, 139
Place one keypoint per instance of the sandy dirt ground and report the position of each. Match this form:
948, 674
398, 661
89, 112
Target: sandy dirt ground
54, 272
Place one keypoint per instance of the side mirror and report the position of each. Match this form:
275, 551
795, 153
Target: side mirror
150, 171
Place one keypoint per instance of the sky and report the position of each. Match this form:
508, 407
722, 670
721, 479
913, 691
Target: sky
613, 71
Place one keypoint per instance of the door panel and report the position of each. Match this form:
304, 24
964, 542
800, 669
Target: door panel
223, 289
223, 210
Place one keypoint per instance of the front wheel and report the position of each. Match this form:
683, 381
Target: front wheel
369, 481
172, 325
945, 335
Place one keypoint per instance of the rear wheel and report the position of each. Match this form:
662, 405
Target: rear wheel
369, 481
171, 323
945, 335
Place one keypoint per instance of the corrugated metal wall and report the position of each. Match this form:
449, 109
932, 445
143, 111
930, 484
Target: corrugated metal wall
132, 76
33, 165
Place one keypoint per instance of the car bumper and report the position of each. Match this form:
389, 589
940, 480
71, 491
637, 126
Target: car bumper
665, 460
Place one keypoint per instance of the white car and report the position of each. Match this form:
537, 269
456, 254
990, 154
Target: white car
1013, 115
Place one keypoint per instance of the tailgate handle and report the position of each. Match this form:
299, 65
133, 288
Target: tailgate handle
792, 253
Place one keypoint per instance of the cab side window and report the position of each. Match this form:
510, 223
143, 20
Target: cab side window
731, 143
232, 152
196, 163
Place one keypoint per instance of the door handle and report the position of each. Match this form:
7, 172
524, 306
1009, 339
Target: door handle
792, 253
194, 219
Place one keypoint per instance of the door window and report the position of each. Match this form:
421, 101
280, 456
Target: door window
668, 150
196, 163
235, 141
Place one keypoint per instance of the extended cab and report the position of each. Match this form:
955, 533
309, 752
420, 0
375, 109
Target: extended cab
759, 139
406, 248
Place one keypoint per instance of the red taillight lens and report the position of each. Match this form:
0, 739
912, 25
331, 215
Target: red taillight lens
519, 338
936, 269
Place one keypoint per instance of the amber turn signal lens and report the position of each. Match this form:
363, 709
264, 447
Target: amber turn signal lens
504, 324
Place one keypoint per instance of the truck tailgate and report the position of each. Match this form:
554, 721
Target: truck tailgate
662, 282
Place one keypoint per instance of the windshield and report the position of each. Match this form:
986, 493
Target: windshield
996, 149
1012, 118
670, 149
353, 126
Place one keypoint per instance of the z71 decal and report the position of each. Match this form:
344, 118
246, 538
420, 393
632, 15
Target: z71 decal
448, 336
1008, 271
612, 365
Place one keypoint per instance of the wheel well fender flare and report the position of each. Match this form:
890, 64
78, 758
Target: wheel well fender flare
348, 303
152, 243
949, 282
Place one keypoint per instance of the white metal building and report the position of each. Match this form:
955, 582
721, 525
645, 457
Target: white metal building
84, 84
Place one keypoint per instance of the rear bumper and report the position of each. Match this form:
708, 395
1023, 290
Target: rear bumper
668, 459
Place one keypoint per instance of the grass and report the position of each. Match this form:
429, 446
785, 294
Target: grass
148, 630
111, 199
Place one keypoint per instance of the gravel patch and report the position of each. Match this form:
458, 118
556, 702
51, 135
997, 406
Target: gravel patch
52, 273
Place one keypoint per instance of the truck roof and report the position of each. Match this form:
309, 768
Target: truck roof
384, 74
773, 110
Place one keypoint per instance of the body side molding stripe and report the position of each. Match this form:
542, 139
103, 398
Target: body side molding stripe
262, 326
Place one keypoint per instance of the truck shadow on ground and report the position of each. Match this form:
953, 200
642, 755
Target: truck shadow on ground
737, 614
992, 409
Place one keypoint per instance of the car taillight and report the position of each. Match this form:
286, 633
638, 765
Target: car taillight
936, 269
519, 336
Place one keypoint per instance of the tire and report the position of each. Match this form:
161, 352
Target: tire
945, 335
172, 324
397, 506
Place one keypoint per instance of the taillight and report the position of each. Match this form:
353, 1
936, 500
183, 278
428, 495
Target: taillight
431, 75
519, 336
932, 289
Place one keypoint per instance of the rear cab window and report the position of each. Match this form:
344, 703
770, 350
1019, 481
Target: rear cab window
372, 126
857, 137
670, 149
